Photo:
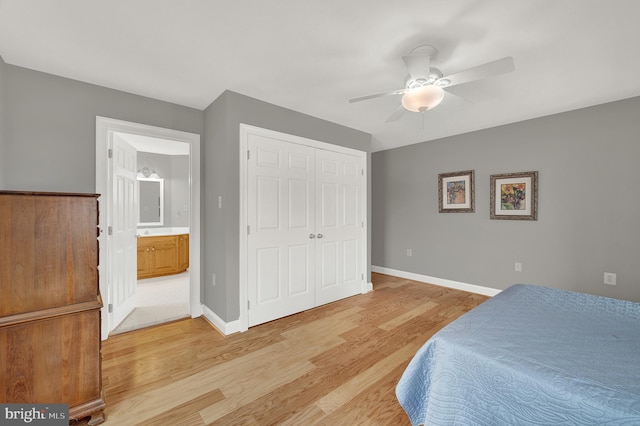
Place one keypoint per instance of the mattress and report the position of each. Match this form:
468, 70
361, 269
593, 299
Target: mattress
531, 355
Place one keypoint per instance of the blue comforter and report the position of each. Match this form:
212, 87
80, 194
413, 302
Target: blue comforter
530, 356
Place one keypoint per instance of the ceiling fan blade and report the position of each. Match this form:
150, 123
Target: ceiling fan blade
454, 95
397, 114
417, 65
377, 95
497, 67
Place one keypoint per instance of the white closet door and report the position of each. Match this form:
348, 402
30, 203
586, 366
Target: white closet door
339, 186
281, 240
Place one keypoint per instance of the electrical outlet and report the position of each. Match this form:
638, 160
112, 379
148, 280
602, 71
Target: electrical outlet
518, 267
409, 252
609, 278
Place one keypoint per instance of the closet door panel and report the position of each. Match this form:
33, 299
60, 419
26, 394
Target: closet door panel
299, 204
350, 266
329, 260
299, 270
329, 204
268, 203
269, 275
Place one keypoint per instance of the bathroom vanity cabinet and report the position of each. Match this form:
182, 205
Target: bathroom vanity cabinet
160, 255
50, 302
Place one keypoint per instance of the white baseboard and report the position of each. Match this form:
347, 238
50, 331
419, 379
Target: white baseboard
367, 288
196, 310
487, 291
225, 328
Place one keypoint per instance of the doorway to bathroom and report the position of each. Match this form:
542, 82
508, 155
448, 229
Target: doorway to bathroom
149, 224
162, 233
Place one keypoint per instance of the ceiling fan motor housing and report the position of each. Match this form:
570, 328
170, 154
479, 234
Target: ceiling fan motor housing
434, 78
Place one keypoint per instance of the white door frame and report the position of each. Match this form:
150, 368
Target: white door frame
245, 131
105, 126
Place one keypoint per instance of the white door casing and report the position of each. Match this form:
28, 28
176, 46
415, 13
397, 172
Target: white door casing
105, 128
303, 224
124, 214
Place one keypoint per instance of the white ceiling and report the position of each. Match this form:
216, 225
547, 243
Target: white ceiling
313, 55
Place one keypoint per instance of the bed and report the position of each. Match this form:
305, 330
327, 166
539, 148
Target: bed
531, 355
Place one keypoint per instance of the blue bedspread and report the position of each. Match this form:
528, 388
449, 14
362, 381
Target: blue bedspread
530, 356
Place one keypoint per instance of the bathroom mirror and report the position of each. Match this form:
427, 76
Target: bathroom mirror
151, 196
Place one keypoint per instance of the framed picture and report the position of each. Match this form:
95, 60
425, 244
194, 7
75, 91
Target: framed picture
514, 196
456, 192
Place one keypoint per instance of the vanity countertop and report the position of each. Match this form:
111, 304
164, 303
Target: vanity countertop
174, 230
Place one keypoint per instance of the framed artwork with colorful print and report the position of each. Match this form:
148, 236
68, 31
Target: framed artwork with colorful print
514, 196
456, 193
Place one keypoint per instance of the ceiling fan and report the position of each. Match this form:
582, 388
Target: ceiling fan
425, 86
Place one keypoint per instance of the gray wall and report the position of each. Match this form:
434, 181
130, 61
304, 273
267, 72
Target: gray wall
222, 134
49, 121
180, 200
588, 204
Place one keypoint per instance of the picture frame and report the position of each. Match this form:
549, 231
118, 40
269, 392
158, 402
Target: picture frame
514, 196
456, 192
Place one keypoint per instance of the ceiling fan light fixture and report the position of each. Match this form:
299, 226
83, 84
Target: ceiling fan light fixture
422, 98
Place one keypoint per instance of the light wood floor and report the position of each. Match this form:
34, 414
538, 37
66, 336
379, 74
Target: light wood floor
334, 365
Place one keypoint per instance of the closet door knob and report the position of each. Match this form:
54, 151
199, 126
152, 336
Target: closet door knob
312, 236
319, 235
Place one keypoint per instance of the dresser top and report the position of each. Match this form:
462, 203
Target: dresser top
50, 194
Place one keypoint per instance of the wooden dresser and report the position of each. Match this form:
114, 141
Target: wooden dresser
50, 302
